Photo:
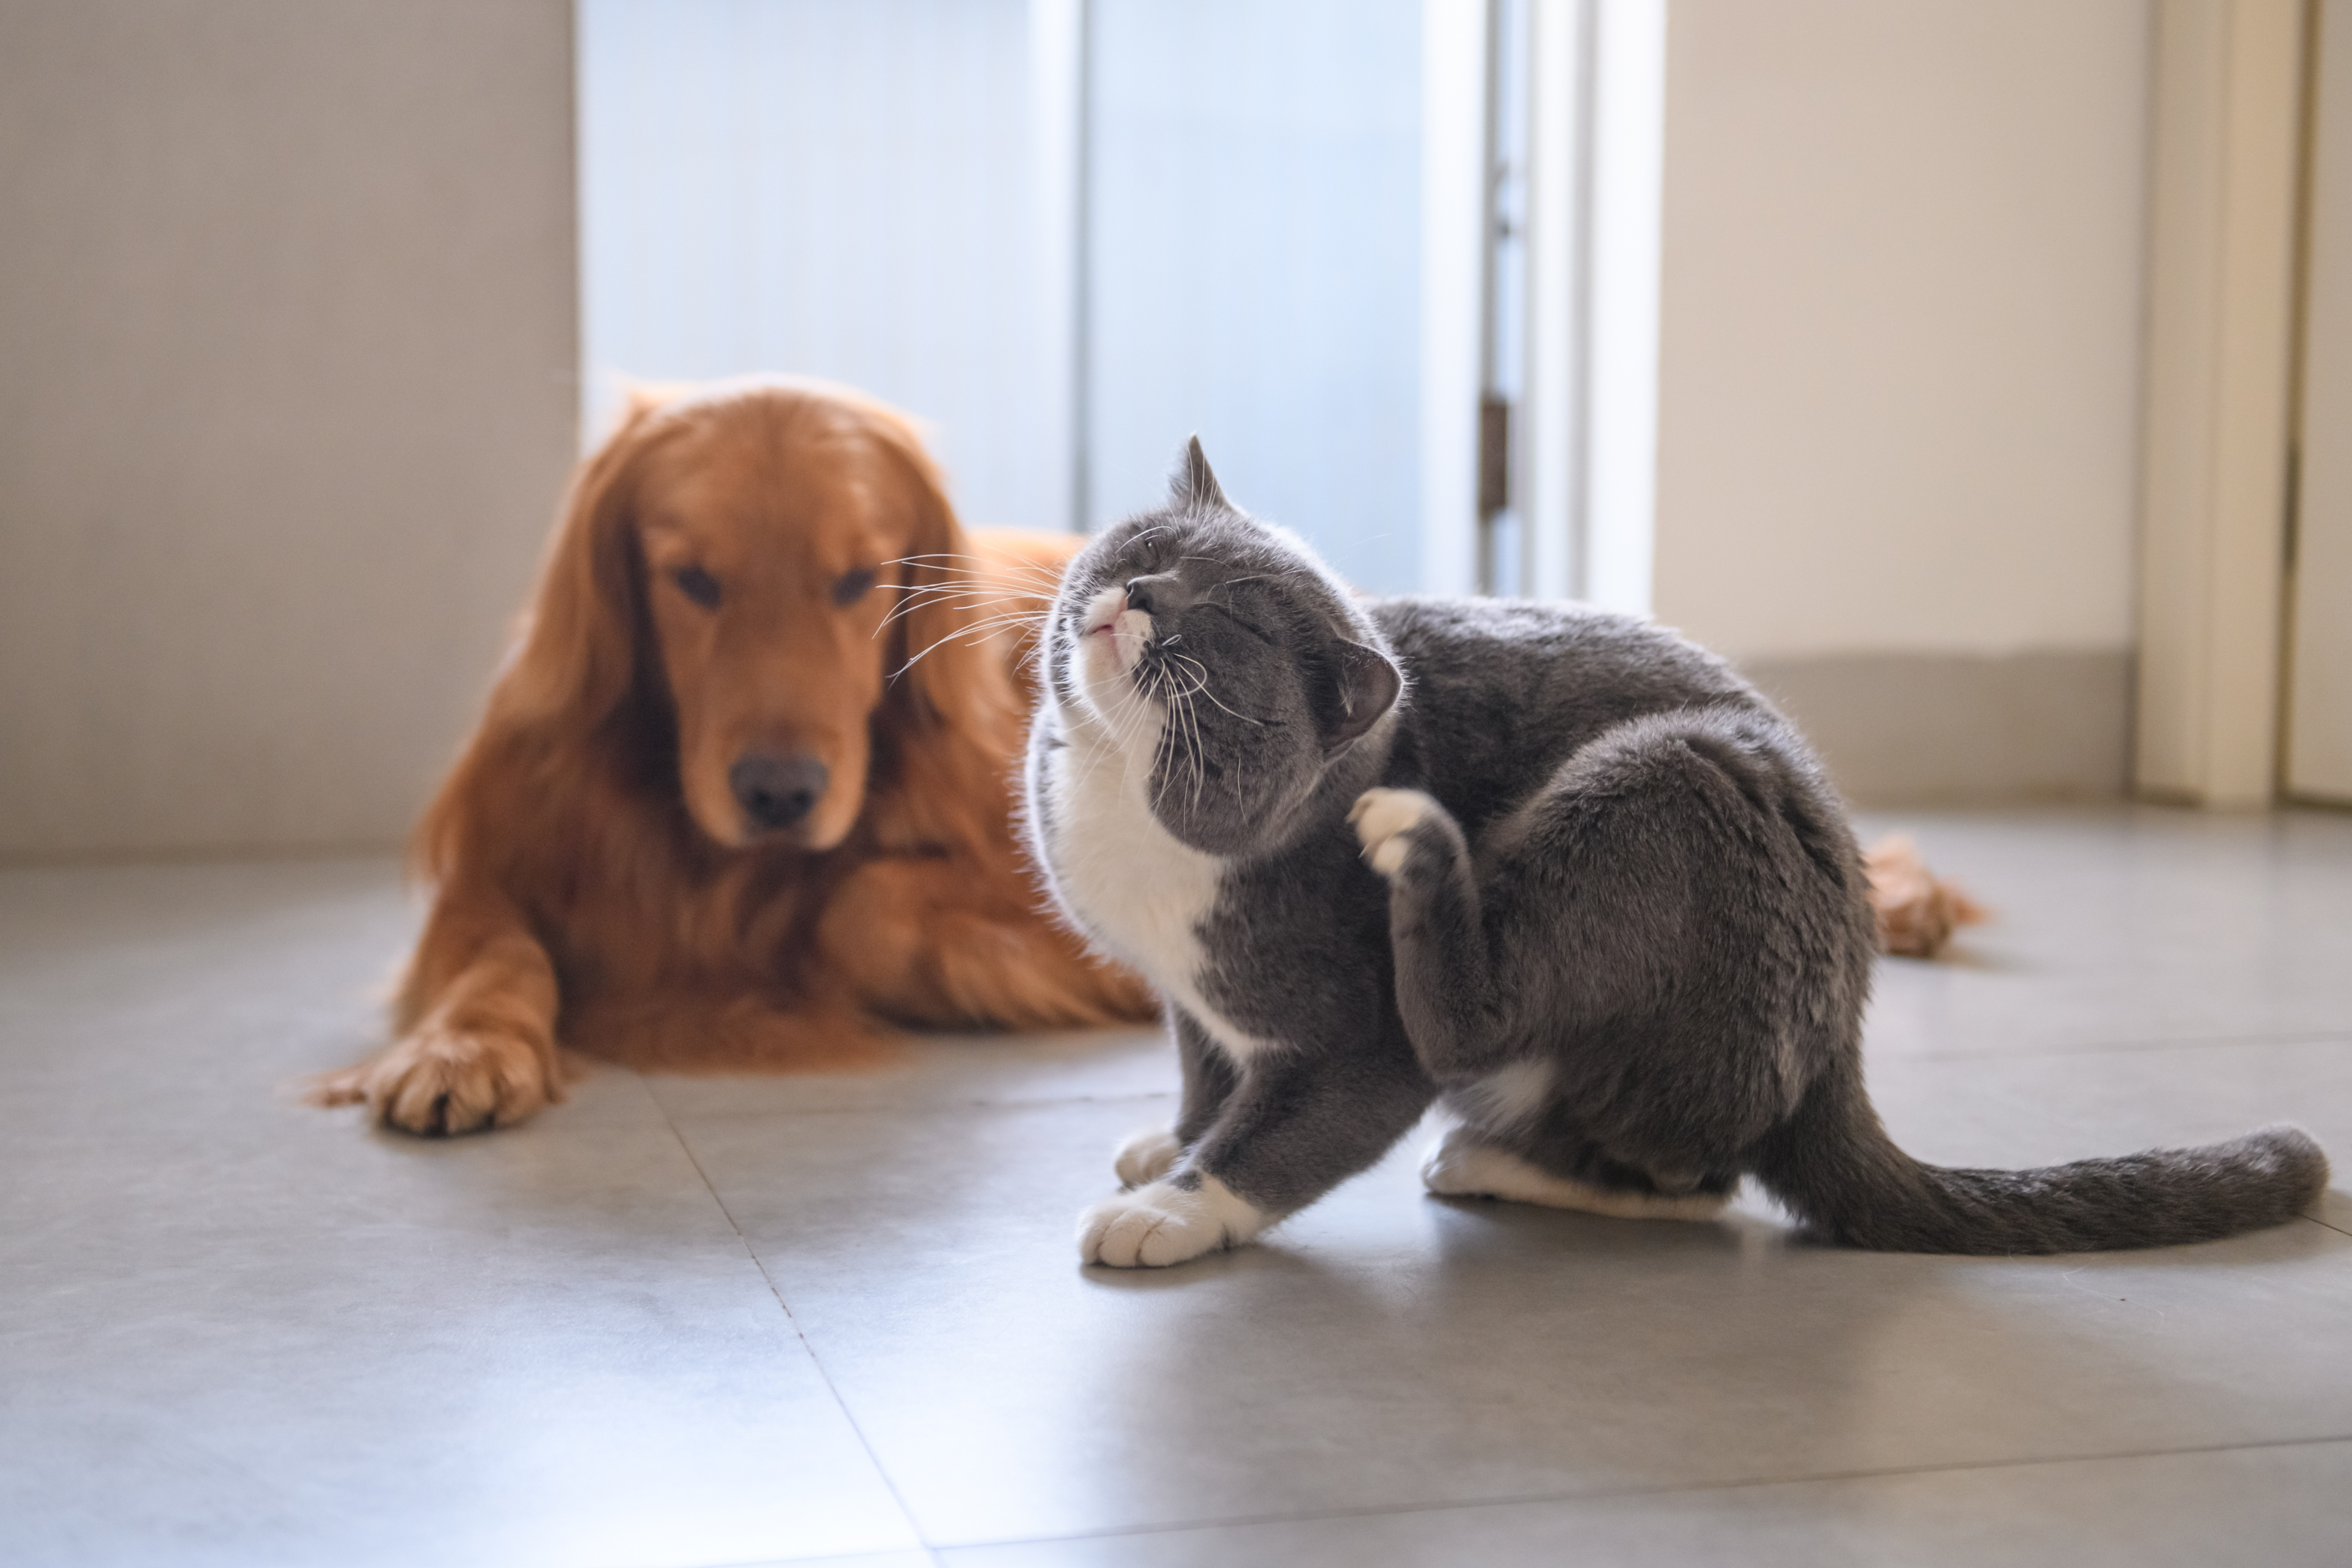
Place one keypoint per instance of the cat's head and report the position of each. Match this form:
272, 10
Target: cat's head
1220, 654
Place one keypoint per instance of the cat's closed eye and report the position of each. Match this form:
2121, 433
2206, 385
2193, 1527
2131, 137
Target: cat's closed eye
1239, 620
1142, 555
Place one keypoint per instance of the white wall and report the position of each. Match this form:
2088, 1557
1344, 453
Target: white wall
1899, 363
288, 321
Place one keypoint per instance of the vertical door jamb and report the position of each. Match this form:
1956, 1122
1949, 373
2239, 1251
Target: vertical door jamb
2227, 127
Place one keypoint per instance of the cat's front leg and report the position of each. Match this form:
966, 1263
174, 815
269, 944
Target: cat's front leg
1301, 1120
1446, 972
1210, 1078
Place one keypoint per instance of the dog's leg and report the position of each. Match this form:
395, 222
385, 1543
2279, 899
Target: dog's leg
921, 941
480, 1048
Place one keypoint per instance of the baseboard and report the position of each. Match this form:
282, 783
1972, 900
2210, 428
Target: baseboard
1918, 728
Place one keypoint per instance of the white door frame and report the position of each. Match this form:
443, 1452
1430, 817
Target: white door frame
2315, 748
1583, 435
2217, 430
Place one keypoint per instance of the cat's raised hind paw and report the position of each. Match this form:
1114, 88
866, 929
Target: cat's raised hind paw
1462, 1165
1385, 820
1162, 1223
1147, 1156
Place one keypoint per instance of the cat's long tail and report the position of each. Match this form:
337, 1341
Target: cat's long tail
1836, 1167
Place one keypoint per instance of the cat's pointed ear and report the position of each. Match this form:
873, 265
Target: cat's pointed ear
1368, 685
1193, 486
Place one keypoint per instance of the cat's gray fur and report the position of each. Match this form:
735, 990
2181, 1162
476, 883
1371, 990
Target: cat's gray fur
1629, 884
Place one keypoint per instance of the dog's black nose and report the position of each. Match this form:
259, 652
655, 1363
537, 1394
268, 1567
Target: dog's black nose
777, 791
1158, 594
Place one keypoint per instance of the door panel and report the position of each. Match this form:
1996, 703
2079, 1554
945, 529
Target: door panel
2319, 708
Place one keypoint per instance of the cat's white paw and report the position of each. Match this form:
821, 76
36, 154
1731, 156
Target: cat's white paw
1462, 1165
1146, 1156
1459, 1166
1159, 1225
1383, 819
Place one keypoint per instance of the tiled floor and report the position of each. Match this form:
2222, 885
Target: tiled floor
682, 1323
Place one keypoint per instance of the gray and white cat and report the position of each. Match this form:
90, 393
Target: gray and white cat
1560, 868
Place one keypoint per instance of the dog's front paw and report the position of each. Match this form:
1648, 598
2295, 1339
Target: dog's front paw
1162, 1223
1385, 820
1146, 1156
439, 1081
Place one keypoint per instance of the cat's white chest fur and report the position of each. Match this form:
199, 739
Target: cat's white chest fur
1138, 889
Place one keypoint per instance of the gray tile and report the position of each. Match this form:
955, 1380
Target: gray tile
123, 989
2280, 1507
2127, 925
946, 1070
1388, 1350
236, 1330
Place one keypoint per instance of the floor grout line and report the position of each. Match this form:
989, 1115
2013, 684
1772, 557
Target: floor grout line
889, 1482
1536, 1499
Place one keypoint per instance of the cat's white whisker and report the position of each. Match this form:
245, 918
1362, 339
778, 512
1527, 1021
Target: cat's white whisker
961, 598
978, 573
976, 632
1202, 671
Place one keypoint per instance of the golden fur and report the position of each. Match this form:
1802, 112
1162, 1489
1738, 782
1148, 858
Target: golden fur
1918, 910
596, 882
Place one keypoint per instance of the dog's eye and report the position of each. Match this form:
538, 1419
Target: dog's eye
696, 584
853, 585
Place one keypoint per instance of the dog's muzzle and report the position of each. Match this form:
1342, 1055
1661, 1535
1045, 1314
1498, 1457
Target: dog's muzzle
777, 791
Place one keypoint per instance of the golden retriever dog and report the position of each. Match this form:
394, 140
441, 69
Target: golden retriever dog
741, 796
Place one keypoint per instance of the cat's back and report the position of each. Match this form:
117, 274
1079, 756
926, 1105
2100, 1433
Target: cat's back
1502, 691
1560, 664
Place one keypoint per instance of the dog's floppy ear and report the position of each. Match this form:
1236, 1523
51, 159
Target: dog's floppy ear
947, 672
579, 653
950, 717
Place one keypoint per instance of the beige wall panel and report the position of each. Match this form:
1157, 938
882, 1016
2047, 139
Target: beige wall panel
1916, 729
1899, 363
287, 310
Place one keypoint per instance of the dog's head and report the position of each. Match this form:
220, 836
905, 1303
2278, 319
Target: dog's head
739, 575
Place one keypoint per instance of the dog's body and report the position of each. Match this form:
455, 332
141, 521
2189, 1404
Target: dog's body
703, 823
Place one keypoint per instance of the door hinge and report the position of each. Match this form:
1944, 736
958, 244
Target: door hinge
1493, 455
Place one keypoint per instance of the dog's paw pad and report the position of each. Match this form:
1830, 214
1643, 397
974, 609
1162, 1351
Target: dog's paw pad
438, 1082
1147, 1156
1162, 1223
1384, 821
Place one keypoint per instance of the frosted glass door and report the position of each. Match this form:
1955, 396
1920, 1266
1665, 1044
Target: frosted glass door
1253, 249
839, 188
